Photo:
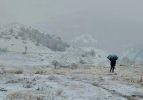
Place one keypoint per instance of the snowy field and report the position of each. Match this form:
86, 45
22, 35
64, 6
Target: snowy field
82, 83
32, 68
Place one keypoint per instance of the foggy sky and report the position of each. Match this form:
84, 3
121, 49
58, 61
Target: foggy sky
115, 24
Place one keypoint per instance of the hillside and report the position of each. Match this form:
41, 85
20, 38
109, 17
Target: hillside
23, 35
23, 45
33, 68
84, 41
133, 55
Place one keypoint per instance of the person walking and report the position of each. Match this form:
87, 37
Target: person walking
113, 58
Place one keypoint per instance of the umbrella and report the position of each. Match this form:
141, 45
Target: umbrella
112, 57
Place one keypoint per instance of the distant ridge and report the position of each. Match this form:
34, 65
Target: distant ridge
23, 32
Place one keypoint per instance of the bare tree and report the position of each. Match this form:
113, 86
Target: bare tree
25, 51
55, 63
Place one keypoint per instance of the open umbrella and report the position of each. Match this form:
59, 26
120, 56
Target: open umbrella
112, 57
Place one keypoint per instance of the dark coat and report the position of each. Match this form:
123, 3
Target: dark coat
113, 58
113, 63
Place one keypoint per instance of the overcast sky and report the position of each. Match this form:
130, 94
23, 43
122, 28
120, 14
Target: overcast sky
115, 24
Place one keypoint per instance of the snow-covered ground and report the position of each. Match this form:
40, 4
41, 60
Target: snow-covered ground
27, 71
12, 47
65, 84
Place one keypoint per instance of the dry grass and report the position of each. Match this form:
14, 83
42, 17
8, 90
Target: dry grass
68, 71
27, 95
140, 81
129, 74
30, 95
14, 71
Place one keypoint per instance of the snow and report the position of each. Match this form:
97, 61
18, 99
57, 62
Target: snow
41, 55
65, 87
134, 55
39, 79
84, 41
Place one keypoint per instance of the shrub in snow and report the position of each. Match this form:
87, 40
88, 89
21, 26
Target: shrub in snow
15, 71
19, 72
51, 77
29, 83
64, 66
92, 53
25, 50
3, 50
74, 66
41, 72
125, 61
55, 64
82, 62
2, 71
29, 95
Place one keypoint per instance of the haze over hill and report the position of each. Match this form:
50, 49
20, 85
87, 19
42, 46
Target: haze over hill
23, 45
59, 49
41, 72
114, 24
24, 33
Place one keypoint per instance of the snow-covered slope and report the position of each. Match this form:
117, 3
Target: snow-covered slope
133, 55
16, 39
23, 34
85, 47
84, 41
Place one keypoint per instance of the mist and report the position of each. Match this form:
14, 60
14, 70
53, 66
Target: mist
71, 49
114, 24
